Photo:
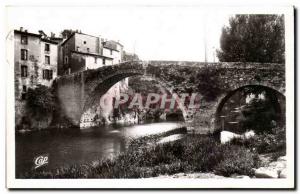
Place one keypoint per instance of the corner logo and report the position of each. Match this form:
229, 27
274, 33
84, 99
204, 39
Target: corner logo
41, 160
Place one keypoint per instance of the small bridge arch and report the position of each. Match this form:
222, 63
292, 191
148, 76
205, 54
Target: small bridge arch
277, 100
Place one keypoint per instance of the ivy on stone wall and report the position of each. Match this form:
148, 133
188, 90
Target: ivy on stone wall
40, 102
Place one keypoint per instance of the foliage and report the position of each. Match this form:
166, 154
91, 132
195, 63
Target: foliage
266, 142
40, 101
145, 158
253, 38
238, 160
209, 83
66, 33
259, 115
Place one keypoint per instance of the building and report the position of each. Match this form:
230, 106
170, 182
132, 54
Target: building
126, 56
35, 63
81, 52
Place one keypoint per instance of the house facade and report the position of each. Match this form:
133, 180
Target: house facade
81, 52
35, 63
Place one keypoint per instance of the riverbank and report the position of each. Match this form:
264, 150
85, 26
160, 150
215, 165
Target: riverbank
145, 157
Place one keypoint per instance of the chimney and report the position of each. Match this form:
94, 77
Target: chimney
100, 45
21, 29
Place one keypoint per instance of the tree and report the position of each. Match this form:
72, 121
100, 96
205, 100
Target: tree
66, 33
253, 38
40, 102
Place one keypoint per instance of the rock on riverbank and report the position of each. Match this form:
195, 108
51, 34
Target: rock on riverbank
276, 169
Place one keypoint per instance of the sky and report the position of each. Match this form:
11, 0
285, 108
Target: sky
152, 32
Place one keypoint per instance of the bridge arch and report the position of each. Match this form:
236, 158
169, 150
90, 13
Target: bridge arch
276, 97
102, 87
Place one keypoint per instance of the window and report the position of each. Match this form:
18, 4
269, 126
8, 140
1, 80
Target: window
103, 61
95, 58
47, 74
24, 39
77, 48
47, 47
84, 42
47, 59
24, 88
24, 71
66, 60
24, 54
50, 74
23, 97
111, 52
88, 50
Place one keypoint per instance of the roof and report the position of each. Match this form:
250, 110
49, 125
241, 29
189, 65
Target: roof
27, 33
74, 34
68, 38
91, 54
49, 41
56, 39
111, 44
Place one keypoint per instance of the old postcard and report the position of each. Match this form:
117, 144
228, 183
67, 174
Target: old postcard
143, 96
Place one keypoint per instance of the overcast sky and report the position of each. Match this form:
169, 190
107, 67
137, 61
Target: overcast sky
154, 33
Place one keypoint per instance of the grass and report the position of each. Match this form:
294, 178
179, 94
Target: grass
145, 158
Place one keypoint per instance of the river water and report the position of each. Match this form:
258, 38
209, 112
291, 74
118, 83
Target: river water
75, 146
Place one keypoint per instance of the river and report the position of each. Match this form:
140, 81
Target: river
75, 146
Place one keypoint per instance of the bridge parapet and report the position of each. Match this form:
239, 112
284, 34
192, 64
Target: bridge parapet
241, 65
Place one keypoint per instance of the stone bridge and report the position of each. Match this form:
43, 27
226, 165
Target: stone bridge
78, 91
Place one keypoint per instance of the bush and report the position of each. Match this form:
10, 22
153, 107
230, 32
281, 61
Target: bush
40, 100
209, 83
266, 142
237, 160
273, 141
202, 154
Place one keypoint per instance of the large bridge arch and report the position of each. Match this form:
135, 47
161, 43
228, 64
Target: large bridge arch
78, 91
92, 101
81, 91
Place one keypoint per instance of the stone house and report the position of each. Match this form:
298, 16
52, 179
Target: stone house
81, 52
35, 63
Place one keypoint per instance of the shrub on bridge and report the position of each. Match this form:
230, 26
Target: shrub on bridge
209, 83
